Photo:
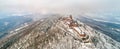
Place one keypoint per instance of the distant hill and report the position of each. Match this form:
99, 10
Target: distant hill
10, 23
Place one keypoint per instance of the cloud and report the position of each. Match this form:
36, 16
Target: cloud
60, 6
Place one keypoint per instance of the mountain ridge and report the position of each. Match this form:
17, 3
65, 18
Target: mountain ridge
52, 33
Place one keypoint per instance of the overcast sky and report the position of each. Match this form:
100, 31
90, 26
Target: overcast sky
65, 6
